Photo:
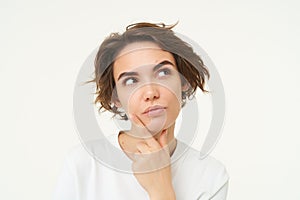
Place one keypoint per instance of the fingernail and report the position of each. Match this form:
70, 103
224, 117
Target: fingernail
166, 131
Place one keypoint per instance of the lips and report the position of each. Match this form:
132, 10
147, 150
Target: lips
154, 110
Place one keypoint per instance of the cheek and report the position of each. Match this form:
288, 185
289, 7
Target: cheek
128, 100
132, 104
173, 87
176, 107
173, 99
173, 93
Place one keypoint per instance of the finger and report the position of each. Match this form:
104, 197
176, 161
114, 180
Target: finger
150, 129
143, 148
163, 138
136, 120
143, 130
135, 156
163, 141
153, 143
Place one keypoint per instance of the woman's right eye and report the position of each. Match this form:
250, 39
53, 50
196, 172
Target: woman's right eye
129, 81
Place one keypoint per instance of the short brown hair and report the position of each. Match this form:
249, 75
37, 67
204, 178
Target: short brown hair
189, 64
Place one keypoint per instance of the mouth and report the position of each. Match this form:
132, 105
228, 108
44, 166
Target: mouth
154, 110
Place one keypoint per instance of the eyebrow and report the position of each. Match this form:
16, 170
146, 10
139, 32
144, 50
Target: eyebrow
156, 67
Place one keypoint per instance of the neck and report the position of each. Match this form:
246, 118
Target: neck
134, 130
128, 140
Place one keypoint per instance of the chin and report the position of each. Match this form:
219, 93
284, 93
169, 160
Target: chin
157, 125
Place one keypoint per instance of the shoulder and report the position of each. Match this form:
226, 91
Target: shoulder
207, 172
83, 155
209, 163
94, 152
78, 156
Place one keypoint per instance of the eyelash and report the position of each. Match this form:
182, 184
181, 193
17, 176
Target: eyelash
127, 79
166, 70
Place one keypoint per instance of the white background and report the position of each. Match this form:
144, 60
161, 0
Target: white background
254, 45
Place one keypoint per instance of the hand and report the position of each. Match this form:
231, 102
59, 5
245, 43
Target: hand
151, 165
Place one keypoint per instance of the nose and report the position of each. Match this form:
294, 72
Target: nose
150, 92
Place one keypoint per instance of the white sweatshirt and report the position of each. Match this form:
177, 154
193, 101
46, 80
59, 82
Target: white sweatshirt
85, 178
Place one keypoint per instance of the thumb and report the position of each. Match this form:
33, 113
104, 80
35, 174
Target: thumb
163, 139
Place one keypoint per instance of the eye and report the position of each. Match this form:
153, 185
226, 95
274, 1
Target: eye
164, 72
129, 81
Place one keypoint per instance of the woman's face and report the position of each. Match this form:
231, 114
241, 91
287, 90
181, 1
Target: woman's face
148, 85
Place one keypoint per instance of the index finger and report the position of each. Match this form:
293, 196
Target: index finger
152, 142
149, 139
141, 127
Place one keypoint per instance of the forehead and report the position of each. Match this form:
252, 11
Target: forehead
138, 54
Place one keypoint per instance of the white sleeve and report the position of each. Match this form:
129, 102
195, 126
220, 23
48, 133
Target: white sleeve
221, 184
221, 194
66, 188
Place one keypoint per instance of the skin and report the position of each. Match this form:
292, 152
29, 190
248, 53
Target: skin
146, 76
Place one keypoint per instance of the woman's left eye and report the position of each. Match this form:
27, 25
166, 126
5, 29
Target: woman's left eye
164, 72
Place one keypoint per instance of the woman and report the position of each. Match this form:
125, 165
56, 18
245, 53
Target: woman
145, 75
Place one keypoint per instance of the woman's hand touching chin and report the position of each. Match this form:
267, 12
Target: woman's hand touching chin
151, 167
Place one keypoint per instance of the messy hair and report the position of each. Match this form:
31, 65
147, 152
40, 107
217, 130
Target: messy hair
188, 63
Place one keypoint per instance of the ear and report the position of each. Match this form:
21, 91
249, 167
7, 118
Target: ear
115, 100
185, 87
117, 103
